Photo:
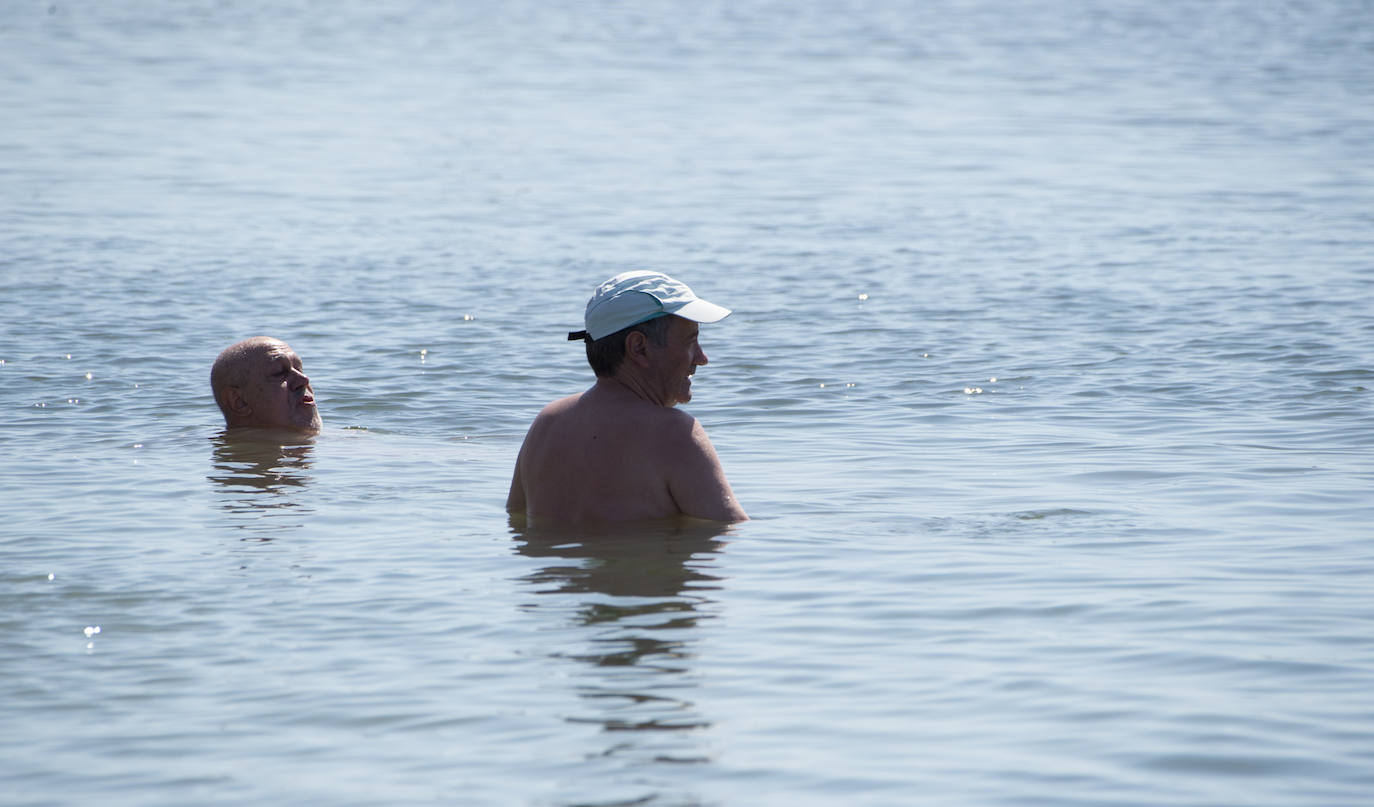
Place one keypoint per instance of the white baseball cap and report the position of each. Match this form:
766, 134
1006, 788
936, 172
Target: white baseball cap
630, 298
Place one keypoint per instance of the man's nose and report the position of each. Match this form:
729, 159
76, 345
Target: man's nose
701, 356
299, 379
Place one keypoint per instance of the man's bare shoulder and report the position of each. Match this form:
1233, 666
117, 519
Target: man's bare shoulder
555, 411
672, 420
561, 405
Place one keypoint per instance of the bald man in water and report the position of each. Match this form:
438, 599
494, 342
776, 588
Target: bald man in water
259, 382
620, 451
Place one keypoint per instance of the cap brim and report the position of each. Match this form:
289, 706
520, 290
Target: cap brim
700, 310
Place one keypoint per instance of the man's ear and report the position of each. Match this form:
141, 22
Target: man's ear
637, 348
236, 403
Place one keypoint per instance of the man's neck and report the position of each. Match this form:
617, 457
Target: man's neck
629, 385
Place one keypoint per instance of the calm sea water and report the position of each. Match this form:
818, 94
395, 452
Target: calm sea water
1048, 386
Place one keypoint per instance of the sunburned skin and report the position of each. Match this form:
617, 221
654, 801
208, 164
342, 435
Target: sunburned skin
620, 451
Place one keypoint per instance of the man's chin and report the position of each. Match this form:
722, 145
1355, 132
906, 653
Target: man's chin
305, 419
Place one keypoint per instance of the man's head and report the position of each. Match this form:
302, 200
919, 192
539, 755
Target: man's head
643, 306
259, 382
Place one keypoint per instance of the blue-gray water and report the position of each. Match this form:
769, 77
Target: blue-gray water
1048, 386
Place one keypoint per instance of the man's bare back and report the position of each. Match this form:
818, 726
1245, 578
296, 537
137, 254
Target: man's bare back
620, 451
607, 455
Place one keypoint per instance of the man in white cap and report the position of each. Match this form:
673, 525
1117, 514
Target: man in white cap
620, 451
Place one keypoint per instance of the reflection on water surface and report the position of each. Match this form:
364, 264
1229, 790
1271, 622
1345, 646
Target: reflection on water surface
259, 472
629, 603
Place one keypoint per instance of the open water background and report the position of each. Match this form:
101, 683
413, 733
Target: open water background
1048, 386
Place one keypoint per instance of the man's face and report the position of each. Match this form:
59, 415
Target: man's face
278, 390
675, 362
